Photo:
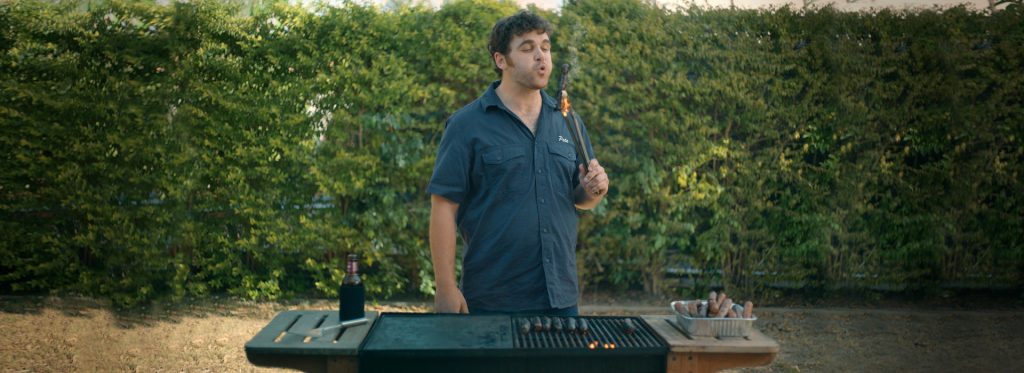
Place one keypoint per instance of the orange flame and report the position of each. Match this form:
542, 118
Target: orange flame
565, 104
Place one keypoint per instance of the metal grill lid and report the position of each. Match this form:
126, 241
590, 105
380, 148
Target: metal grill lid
429, 333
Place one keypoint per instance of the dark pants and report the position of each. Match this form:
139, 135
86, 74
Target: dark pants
569, 311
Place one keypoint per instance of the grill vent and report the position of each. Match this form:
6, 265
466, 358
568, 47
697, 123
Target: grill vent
606, 333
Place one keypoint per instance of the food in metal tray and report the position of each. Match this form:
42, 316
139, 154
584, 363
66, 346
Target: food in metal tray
724, 308
719, 316
718, 305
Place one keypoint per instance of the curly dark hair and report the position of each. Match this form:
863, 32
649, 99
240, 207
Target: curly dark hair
522, 22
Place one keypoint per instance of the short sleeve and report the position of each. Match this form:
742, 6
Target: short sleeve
452, 166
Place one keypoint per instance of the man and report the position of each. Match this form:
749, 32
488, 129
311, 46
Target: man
507, 176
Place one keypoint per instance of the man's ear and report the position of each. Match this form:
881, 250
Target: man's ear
499, 61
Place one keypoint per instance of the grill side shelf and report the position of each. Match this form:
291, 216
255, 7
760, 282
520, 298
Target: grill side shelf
277, 338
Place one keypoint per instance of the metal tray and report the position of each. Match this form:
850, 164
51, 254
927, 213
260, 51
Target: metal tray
713, 326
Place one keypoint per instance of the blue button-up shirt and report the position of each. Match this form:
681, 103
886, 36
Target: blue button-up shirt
516, 216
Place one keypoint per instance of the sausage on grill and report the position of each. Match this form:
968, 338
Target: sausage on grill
570, 325
524, 326
537, 325
557, 324
629, 327
546, 323
584, 327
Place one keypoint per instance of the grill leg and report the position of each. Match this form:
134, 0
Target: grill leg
696, 362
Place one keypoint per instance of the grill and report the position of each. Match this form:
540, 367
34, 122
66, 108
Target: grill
498, 343
605, 333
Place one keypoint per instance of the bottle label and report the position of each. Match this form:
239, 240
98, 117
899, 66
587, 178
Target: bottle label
353, 299
353, 267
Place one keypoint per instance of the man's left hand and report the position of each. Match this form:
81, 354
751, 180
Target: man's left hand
594, 182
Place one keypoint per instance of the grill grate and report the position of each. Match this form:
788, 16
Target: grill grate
606, 333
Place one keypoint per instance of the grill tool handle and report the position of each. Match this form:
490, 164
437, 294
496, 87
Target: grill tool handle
319, 332
571, 119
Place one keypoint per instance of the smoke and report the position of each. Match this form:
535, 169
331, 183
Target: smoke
576, 35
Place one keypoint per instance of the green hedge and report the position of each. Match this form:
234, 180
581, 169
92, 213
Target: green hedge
187, 150
812, 148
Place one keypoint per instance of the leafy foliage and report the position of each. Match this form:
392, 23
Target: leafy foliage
815, 148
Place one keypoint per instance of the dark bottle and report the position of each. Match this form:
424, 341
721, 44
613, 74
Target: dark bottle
352, 294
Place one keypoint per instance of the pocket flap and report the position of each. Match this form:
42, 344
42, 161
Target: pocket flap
495, 156
565, 150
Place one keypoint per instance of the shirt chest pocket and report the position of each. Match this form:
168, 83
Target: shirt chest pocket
506, 169
564, 156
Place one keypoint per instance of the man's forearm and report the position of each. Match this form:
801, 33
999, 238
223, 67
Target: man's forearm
442, 243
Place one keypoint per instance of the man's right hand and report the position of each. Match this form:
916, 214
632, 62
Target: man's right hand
448, 298
450, 301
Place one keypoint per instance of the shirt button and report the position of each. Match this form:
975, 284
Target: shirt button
545, 230
547, 260
539, 171
541, 200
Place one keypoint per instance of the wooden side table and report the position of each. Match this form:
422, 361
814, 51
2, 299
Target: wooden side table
708, 354
335, 351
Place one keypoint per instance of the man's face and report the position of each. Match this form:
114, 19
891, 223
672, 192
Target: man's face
528, 62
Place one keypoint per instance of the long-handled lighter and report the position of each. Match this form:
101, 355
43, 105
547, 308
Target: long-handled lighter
571, 120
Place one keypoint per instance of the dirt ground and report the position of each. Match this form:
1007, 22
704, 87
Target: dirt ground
50, 334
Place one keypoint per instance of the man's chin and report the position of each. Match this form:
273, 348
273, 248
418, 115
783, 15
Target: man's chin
540, 83
533, 82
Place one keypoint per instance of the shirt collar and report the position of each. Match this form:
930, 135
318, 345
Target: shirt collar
490, 98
